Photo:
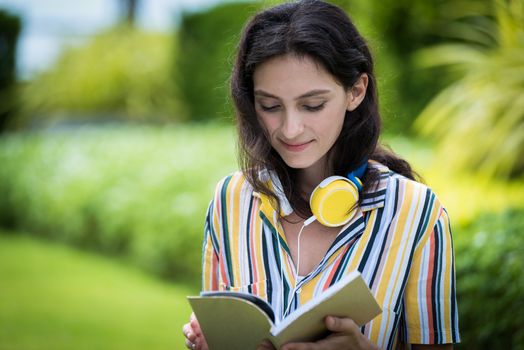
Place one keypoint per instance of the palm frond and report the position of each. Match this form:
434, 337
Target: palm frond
478, 120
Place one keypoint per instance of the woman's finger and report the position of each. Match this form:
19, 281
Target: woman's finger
341, 324
190, 345
196, 335
305, 346
195, 325
188, 332
265, 345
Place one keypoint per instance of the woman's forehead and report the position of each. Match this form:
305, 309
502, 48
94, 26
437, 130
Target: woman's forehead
292, 75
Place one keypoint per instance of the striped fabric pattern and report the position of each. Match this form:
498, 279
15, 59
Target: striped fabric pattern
399, 240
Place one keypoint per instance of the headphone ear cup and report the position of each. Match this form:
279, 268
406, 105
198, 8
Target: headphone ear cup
333, 201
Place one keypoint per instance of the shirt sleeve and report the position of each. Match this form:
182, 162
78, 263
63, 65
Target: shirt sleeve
210, 263
430, 306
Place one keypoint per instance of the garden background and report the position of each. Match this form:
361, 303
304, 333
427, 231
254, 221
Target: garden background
108, 160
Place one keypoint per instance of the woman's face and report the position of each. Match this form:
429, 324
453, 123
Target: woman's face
302, 107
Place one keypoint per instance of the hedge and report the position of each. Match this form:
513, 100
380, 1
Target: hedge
137, 192
489, 260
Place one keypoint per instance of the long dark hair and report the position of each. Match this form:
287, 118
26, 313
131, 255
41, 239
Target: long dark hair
324, 33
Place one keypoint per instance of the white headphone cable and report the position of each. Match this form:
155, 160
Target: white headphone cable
306, 223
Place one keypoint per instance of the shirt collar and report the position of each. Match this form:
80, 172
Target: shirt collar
375, 196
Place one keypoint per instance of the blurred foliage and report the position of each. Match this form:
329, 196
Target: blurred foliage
478, 120
141, 76
489, 258
136, 192
10, 27
395, 29
207, 46
122, 73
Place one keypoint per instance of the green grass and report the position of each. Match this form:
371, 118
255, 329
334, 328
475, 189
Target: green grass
55, 297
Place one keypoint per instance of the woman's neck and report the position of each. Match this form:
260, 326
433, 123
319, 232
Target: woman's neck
309, 178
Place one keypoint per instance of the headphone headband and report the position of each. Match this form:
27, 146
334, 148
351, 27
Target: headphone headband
356, 175
361, 170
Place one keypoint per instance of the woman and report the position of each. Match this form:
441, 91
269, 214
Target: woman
305, 94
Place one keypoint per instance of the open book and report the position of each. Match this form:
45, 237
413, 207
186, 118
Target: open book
232, 320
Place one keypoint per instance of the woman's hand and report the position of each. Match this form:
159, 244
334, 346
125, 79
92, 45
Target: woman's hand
265, 345
345, 335
194, 338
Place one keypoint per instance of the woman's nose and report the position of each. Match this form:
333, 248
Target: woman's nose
292, 126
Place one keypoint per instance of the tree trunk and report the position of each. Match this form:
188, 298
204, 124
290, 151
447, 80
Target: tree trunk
129, 8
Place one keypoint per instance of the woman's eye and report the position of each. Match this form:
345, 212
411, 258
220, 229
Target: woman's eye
315, 108
269, 108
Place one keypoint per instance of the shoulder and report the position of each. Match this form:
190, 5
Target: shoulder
231, 202
405, 199
398, 187
410, 208
413, 192
233, 184
232, 191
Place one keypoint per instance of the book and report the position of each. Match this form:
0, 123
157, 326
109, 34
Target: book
233, 320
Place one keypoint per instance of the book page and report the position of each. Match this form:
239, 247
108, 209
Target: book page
350, 297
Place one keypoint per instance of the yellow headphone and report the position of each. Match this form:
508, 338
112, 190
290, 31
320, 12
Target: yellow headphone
333, 201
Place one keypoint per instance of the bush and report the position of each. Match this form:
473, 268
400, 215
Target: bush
207, 46
489, 258
136, 192
122, 73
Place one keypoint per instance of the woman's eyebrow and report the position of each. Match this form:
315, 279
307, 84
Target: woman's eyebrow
311, 93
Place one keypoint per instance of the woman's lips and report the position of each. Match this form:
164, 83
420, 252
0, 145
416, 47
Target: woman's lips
297, 147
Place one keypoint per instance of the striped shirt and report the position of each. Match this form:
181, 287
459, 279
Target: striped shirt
399, 240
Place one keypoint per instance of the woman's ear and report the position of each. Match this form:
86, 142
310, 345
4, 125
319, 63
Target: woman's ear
357, 92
